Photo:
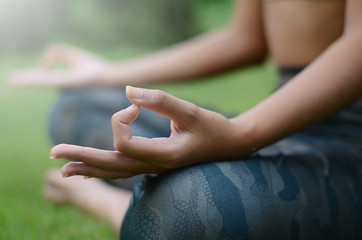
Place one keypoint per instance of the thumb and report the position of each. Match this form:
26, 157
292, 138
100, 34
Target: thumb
163, 103
120, 125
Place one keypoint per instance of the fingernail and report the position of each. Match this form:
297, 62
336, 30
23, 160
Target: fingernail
87, 177
133, 106
135, 93
52, 157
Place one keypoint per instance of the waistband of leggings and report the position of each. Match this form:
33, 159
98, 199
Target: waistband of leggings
287, 71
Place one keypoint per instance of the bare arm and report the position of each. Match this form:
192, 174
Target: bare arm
240, 43
329, 84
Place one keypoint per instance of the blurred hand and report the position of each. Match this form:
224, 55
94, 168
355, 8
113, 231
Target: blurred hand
198, 135
82, 69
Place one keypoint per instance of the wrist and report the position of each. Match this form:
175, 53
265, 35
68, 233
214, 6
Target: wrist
114, 75
246, 135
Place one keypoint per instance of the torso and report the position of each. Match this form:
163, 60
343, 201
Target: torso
298, 31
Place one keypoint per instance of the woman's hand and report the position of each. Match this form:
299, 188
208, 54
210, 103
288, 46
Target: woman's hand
83, 69
198, 135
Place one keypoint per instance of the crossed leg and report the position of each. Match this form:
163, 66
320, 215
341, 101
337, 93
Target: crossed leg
94, 196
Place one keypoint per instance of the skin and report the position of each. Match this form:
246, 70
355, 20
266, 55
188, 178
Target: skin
91, 196
327, 41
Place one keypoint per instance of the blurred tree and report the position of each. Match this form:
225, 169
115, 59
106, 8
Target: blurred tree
126, 21
28, 24
25, 24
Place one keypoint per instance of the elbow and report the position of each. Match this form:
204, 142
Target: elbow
250, 44
251, 50
255, 48
252, 53
257, 54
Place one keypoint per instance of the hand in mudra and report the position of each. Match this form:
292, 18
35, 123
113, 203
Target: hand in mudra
198, 135
82, 68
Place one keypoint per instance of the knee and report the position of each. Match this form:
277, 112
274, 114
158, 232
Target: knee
63, 118
199, 202
66, 115
76, 111
231, 200
163, 207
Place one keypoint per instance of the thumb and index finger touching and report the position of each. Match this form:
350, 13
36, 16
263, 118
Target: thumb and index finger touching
180, 111
58, 53
154, 150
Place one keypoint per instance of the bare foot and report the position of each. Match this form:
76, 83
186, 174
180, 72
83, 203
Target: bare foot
91, 195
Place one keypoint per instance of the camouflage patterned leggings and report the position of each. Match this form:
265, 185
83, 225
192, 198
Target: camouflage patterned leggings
312, 192
307, 186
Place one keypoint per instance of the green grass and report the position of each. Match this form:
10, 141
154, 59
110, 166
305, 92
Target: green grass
24, 157
24, 146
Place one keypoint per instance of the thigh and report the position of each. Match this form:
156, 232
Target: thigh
296, 189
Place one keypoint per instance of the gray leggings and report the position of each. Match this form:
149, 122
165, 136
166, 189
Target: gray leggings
307, 186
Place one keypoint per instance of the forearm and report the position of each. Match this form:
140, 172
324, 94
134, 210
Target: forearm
328, 85
205, 55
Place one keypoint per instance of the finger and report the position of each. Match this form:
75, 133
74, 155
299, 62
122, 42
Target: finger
107, 160
180, 111
155, 150
61, 53
13, 80
41, 78
53, 55
25, 78
80, 168
53, 177
134, 146
121, 128
70, 55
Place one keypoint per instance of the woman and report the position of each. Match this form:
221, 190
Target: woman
289, 168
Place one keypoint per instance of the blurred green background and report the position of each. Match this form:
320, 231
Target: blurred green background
117, 30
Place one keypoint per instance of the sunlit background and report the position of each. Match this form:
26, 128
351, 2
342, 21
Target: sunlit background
29, 24
117, 30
